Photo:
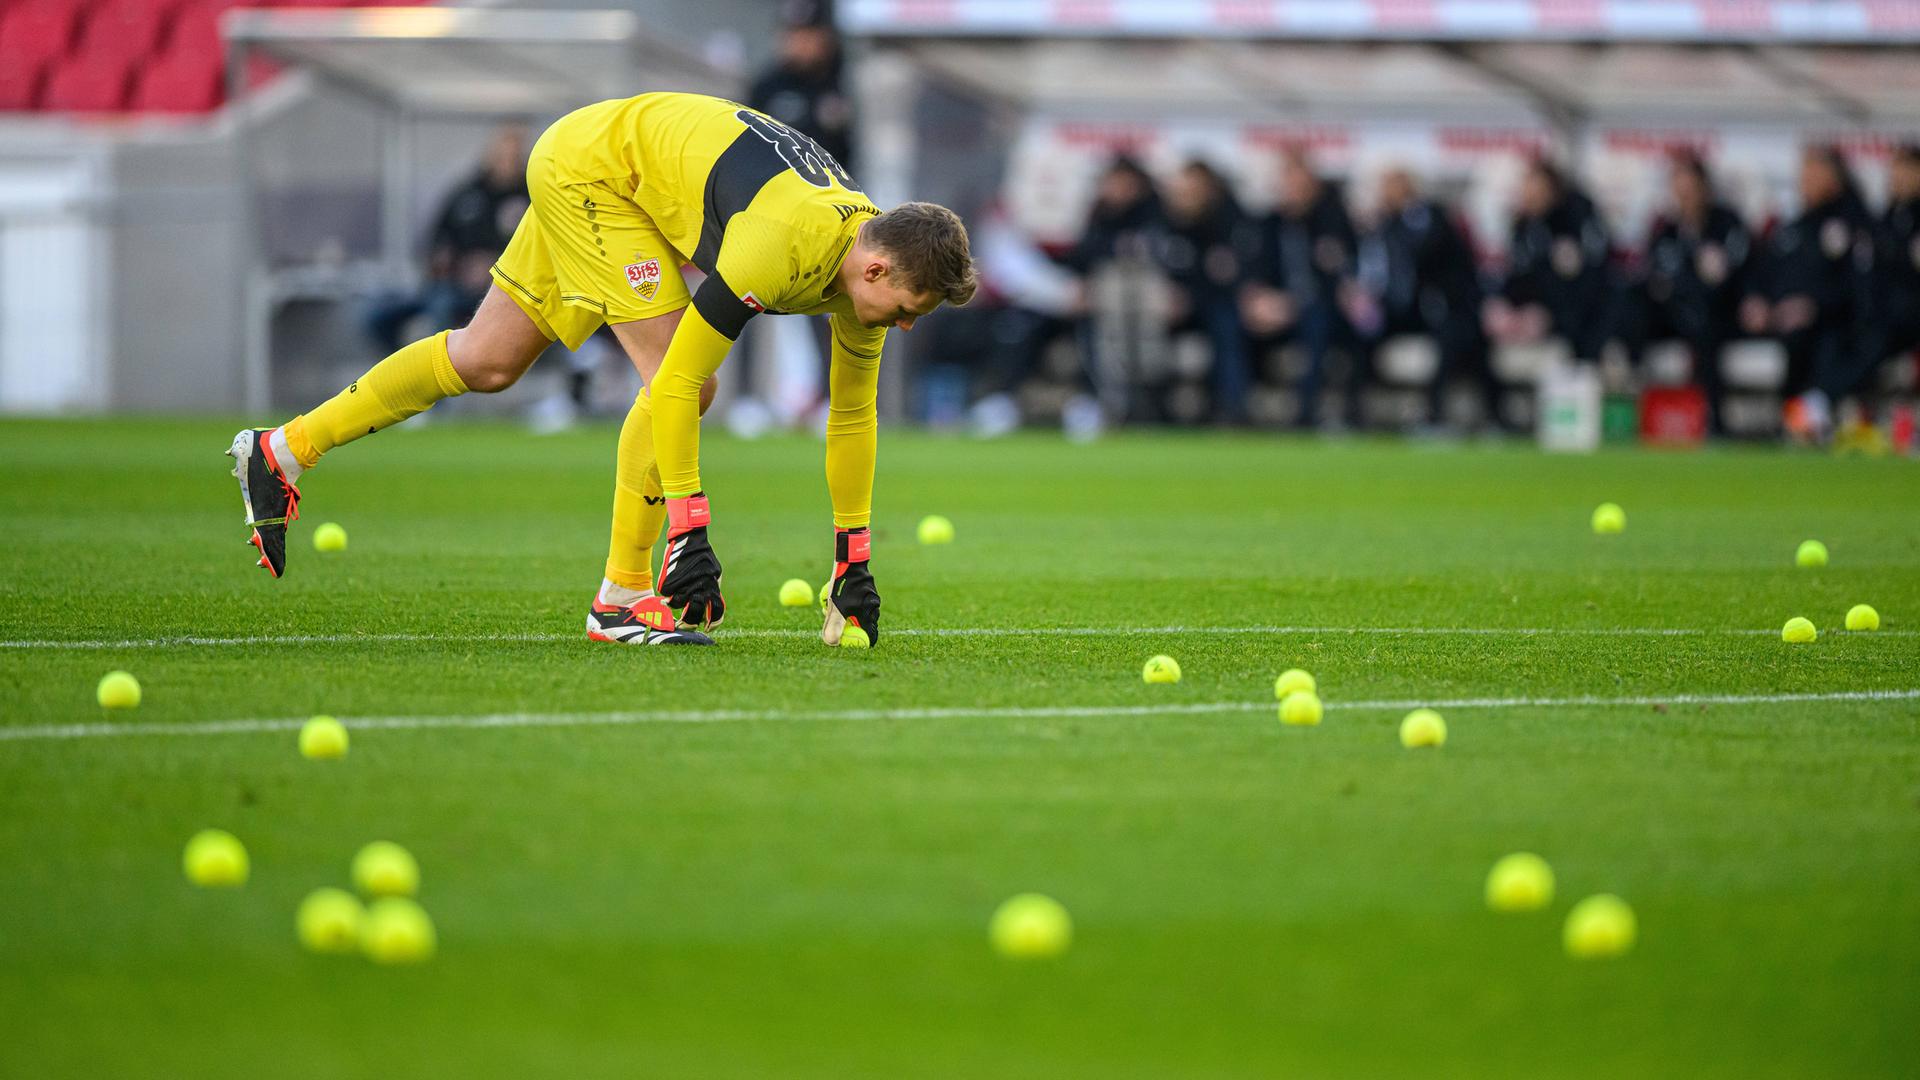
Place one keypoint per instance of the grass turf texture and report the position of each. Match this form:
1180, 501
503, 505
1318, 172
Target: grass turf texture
809, 898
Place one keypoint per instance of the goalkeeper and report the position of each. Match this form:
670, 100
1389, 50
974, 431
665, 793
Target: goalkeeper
625, 193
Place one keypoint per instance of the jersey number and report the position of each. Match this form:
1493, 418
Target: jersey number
802, 154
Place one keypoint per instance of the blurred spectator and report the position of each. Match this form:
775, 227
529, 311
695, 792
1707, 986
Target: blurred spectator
1814, 293
470, 232
802, 90
1692, 278
1118, 256
1422, 279
1899, 261
1306, 257
1556, 283
1210, 242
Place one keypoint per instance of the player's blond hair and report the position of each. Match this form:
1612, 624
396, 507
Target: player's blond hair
928, 243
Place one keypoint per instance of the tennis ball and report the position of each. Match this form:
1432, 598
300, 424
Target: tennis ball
1863, 617
1161, 669
215, 859
1521, 881
323, 739
384, 868
1301, 708
823, 596
1423, 727
1290, 680
397, 931
118, 690
795, 593
1030, 927
935, 529
330, 537
1608, 518
1811, 553
1799, 631
1600, 926
329, 921
855, 638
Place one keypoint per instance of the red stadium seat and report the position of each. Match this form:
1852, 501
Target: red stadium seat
126, 28
37, 31
89, 84
19, 86
179, 83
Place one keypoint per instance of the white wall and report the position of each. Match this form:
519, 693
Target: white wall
56, 286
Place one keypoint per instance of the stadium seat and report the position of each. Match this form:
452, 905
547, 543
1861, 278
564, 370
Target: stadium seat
19, 86
89, 84
126, 27
179, 83
37, 31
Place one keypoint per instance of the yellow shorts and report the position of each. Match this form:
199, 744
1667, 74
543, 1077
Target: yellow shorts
584, 255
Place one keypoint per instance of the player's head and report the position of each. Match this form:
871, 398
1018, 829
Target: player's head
908, 261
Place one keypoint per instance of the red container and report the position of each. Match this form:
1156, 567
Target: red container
1673, 416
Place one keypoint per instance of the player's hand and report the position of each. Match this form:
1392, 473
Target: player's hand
690, 572
852, 599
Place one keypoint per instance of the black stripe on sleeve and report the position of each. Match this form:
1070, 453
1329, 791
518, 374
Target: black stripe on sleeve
737, 176
723, 309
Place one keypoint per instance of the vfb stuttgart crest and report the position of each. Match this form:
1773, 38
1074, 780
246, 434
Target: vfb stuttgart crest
644, 277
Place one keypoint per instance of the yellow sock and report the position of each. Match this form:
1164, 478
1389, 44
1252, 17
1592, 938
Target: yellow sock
639, 505
404, 384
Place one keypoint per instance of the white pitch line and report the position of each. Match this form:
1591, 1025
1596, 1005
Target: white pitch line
939, 632
45, 732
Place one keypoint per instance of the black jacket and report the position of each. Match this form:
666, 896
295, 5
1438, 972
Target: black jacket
1697, 276
1308, 253
1827, 255
1427, 267
1558, 260
810, 104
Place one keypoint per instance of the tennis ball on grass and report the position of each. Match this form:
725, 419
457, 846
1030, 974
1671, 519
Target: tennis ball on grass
215, 859
1423, 727
1521, 881
329, 921
330, 537
1862, 617
397, 931
384, 868
855, 638
1811, 553
795, 593
1030, 927
1608, 518
323, 739
1600, 926
118, 690
1161, 669
935, 529
1301, 709
1290, 680
1798, 631
823, 596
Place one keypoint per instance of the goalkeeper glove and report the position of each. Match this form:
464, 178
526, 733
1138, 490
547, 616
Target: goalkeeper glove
690, 571
852, 599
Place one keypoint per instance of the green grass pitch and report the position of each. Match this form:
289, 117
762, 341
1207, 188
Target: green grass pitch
772, 859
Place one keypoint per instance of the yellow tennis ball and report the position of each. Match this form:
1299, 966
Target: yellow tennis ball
384, 868
1521, 881
1608, 518
1811, 553
1290, 680
823, 596
397, 931
329, 921
1030, 927
852, 637
118, 690
215, 859
1301, 709
330, 537
1161, 669
1600, 926
1799, 631
935, 529
1423, 727
1863, 617
795, 593
323, 739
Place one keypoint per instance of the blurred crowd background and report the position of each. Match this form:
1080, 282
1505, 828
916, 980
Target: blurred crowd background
1331, 215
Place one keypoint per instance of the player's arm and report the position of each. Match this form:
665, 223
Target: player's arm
853, 391
690, 571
